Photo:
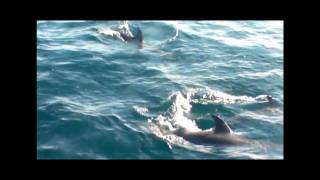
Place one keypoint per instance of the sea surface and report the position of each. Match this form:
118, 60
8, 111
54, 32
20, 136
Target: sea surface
100, 97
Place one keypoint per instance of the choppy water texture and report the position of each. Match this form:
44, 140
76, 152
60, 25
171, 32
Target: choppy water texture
101, 98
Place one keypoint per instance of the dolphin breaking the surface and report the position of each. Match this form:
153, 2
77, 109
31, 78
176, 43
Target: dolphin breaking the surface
222, 134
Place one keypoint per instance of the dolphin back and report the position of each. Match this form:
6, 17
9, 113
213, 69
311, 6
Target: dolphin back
221, 125
136, 39
139, 37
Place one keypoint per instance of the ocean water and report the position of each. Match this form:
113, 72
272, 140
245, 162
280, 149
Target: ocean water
99, 97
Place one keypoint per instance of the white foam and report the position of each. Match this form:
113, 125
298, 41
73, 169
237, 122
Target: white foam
176, 34
278, 72
208, 96
164, 124
275, 118
62, 63
110, 32
141, 110
181, 106
177, 114
124, 27
47, 147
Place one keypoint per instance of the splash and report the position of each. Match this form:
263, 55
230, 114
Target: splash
209, 96
141, 110
123, 27
177, 115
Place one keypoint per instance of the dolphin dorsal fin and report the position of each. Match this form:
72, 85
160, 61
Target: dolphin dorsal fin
139, 37
221, 126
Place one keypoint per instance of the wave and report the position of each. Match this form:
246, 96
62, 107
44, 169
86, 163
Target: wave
273, 72
85, 73
75, 105
179, 115
253, 35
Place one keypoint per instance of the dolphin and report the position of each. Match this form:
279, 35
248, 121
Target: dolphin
124, 35
136, 39
222, 135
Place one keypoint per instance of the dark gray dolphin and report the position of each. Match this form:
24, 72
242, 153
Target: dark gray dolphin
222, 134
272, 101
136, 39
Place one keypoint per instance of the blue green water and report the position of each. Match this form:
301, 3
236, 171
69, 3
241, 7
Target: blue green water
99, 97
